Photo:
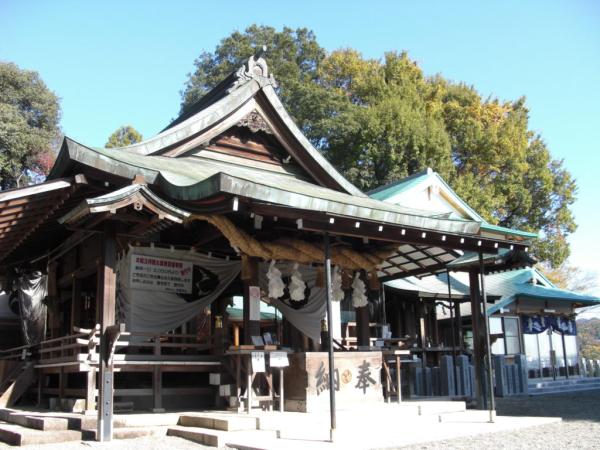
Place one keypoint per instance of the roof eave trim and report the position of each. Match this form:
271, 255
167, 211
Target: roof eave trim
337, 177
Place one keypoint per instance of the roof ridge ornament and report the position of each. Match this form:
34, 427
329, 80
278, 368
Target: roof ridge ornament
255, 68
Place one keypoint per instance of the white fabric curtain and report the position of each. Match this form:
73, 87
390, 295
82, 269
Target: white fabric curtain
307, 318
33, 289
155, 311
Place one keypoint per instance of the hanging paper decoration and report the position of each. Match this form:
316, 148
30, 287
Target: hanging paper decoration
359, 299
297, 285
276, 284
337, 293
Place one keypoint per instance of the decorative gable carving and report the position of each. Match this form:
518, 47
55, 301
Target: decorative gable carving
255, 123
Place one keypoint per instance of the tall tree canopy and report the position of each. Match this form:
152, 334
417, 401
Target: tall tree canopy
123, 136
381, 120
29, 125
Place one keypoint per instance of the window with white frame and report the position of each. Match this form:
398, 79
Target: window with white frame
505, 335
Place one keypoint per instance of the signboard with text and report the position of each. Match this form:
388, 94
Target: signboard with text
161, 274
258, 362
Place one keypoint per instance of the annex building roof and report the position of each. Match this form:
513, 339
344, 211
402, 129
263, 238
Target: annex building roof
503, 287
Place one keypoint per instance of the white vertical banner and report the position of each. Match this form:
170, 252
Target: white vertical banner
258, 362
336, 321
254, 303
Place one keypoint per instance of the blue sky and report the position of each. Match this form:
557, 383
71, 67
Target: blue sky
115, 62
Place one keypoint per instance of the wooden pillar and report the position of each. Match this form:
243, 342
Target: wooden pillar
459, 330
105, 301
75, 304
488, 346
53, 316
90, 392
250, 278
434, 323
478, 337
157, 380
363, 334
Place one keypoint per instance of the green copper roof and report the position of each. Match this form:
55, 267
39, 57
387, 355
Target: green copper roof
195, 177
390, 190
498, 229
506, 286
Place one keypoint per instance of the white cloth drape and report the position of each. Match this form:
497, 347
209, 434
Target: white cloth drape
308, 317
33, 288
156, 311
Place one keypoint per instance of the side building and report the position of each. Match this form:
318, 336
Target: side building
529, 315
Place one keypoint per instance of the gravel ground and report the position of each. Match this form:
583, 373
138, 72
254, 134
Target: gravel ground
580, 428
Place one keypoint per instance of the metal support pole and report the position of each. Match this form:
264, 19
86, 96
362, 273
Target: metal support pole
330, 340
490, 377
452, 330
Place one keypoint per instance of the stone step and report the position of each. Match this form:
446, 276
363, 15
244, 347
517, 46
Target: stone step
566, 385
43, 423
13, 434
429, 408
471, 416
128, 433
568, 382
218, 422
563, 389
219, 438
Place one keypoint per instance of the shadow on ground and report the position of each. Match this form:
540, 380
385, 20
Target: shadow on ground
570, 406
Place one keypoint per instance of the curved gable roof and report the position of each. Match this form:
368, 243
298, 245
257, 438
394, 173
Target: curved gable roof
249, 88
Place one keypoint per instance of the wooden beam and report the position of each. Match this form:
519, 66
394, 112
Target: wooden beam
320, 222
26, 233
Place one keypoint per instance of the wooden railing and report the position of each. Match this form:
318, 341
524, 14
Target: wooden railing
64, 348
84, 344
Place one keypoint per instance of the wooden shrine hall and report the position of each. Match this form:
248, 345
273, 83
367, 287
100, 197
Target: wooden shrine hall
125, 261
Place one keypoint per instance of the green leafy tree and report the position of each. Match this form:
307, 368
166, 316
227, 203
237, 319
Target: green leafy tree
124, 136
29, 126
572, 278
588, 335
506, 173
294, 57
394, 126
380, 120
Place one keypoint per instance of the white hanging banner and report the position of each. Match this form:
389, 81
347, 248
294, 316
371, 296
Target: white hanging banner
175, 287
